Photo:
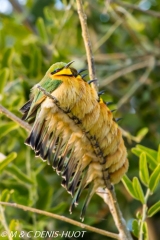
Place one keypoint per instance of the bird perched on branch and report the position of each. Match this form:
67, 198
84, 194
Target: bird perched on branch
75, 132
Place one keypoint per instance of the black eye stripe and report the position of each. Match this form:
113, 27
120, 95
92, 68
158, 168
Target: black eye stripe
56, 70
73, 71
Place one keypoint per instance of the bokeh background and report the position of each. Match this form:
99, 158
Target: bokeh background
126, 47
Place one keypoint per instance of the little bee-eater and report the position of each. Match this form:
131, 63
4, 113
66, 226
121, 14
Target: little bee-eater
75, 132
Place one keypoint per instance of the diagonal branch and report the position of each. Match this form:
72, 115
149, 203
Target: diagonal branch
4, 223
13, 117
62, 218
124, 71
151, 63
135, 7
110, 199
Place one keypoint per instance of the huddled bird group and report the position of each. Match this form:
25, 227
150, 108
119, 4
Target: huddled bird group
75, 132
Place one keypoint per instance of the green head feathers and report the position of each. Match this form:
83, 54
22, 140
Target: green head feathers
56, 66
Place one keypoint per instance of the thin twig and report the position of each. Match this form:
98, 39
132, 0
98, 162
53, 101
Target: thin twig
110, 199
122, 14
144, 215
107, 35
4, 223
62, 218
137, 83
134, 7
130, 137
105, 57
10, 115
87, 42
123, 72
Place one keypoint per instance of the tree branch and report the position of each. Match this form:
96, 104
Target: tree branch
87, 42
62, 218
10, 115
134, 7
4, 222
110, 199
124, 71
144, 77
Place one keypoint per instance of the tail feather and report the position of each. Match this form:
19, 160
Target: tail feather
34, 137
28, 140
41, 136
51, 138
63, 157
55, 159
74, 182
66, 162
31, 117
71, 171
37, 132
79, 190
67, 165
67, 172
51, 149
43, 147
90, 194
25, 108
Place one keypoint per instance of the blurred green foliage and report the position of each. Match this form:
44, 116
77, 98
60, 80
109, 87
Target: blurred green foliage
149, 175
36, 34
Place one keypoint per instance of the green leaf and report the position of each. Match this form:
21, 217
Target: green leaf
139, 215
158, 155
42, 30
35, 63
7, 57
138, 190
5, 195
152, 162
14, 228
7, 160
143, 169
18, 174
4, 74
148, 151
5, 128
135, 228
141, 134
154, 209
145, 231
128, 185
154, 179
